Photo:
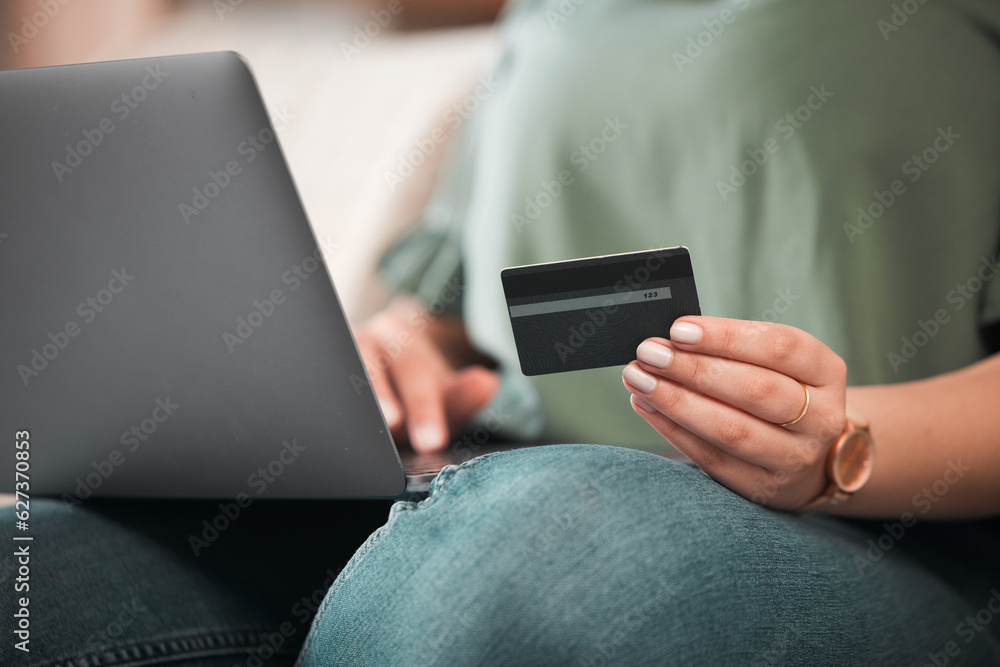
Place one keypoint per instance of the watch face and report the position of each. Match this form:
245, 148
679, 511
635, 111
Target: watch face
852, 465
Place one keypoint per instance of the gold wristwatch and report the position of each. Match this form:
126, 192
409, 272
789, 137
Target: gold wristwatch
848, 464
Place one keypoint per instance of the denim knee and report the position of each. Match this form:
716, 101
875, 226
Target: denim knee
598, 555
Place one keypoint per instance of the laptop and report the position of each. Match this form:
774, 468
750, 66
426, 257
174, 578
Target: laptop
169, 325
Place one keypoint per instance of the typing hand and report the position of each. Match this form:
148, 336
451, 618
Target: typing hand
426, 376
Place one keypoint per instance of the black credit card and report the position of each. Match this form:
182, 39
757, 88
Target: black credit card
594, 312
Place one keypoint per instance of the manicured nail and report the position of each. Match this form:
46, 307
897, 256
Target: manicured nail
639, 379
642, 403
428, 436
685, 332
389, 411
654, 354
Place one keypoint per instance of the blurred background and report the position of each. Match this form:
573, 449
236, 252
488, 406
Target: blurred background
354, 87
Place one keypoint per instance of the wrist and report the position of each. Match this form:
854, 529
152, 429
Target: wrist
848, 464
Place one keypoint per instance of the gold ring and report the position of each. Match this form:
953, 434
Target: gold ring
805, 408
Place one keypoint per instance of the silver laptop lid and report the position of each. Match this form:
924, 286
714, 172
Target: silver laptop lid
169, 327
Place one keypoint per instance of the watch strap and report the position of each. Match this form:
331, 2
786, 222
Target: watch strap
833, 495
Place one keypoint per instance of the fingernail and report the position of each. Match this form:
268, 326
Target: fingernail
639, 379
389, 411
654, 354
685, 332
428, 436
642, 403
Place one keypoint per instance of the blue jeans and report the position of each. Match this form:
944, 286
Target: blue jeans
125, 582
595, 555
567, 554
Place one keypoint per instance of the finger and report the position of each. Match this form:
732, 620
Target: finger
416, 371
376, 362
723, 467
762, 392
468, 392
782, 348
762, 486
727, 428
418, 376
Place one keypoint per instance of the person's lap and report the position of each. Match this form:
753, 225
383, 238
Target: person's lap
128, 582
574, 553
594, 555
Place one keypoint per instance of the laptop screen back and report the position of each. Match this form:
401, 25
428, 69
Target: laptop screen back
169, 326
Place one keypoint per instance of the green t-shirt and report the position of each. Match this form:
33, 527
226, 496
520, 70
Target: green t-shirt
825, 170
